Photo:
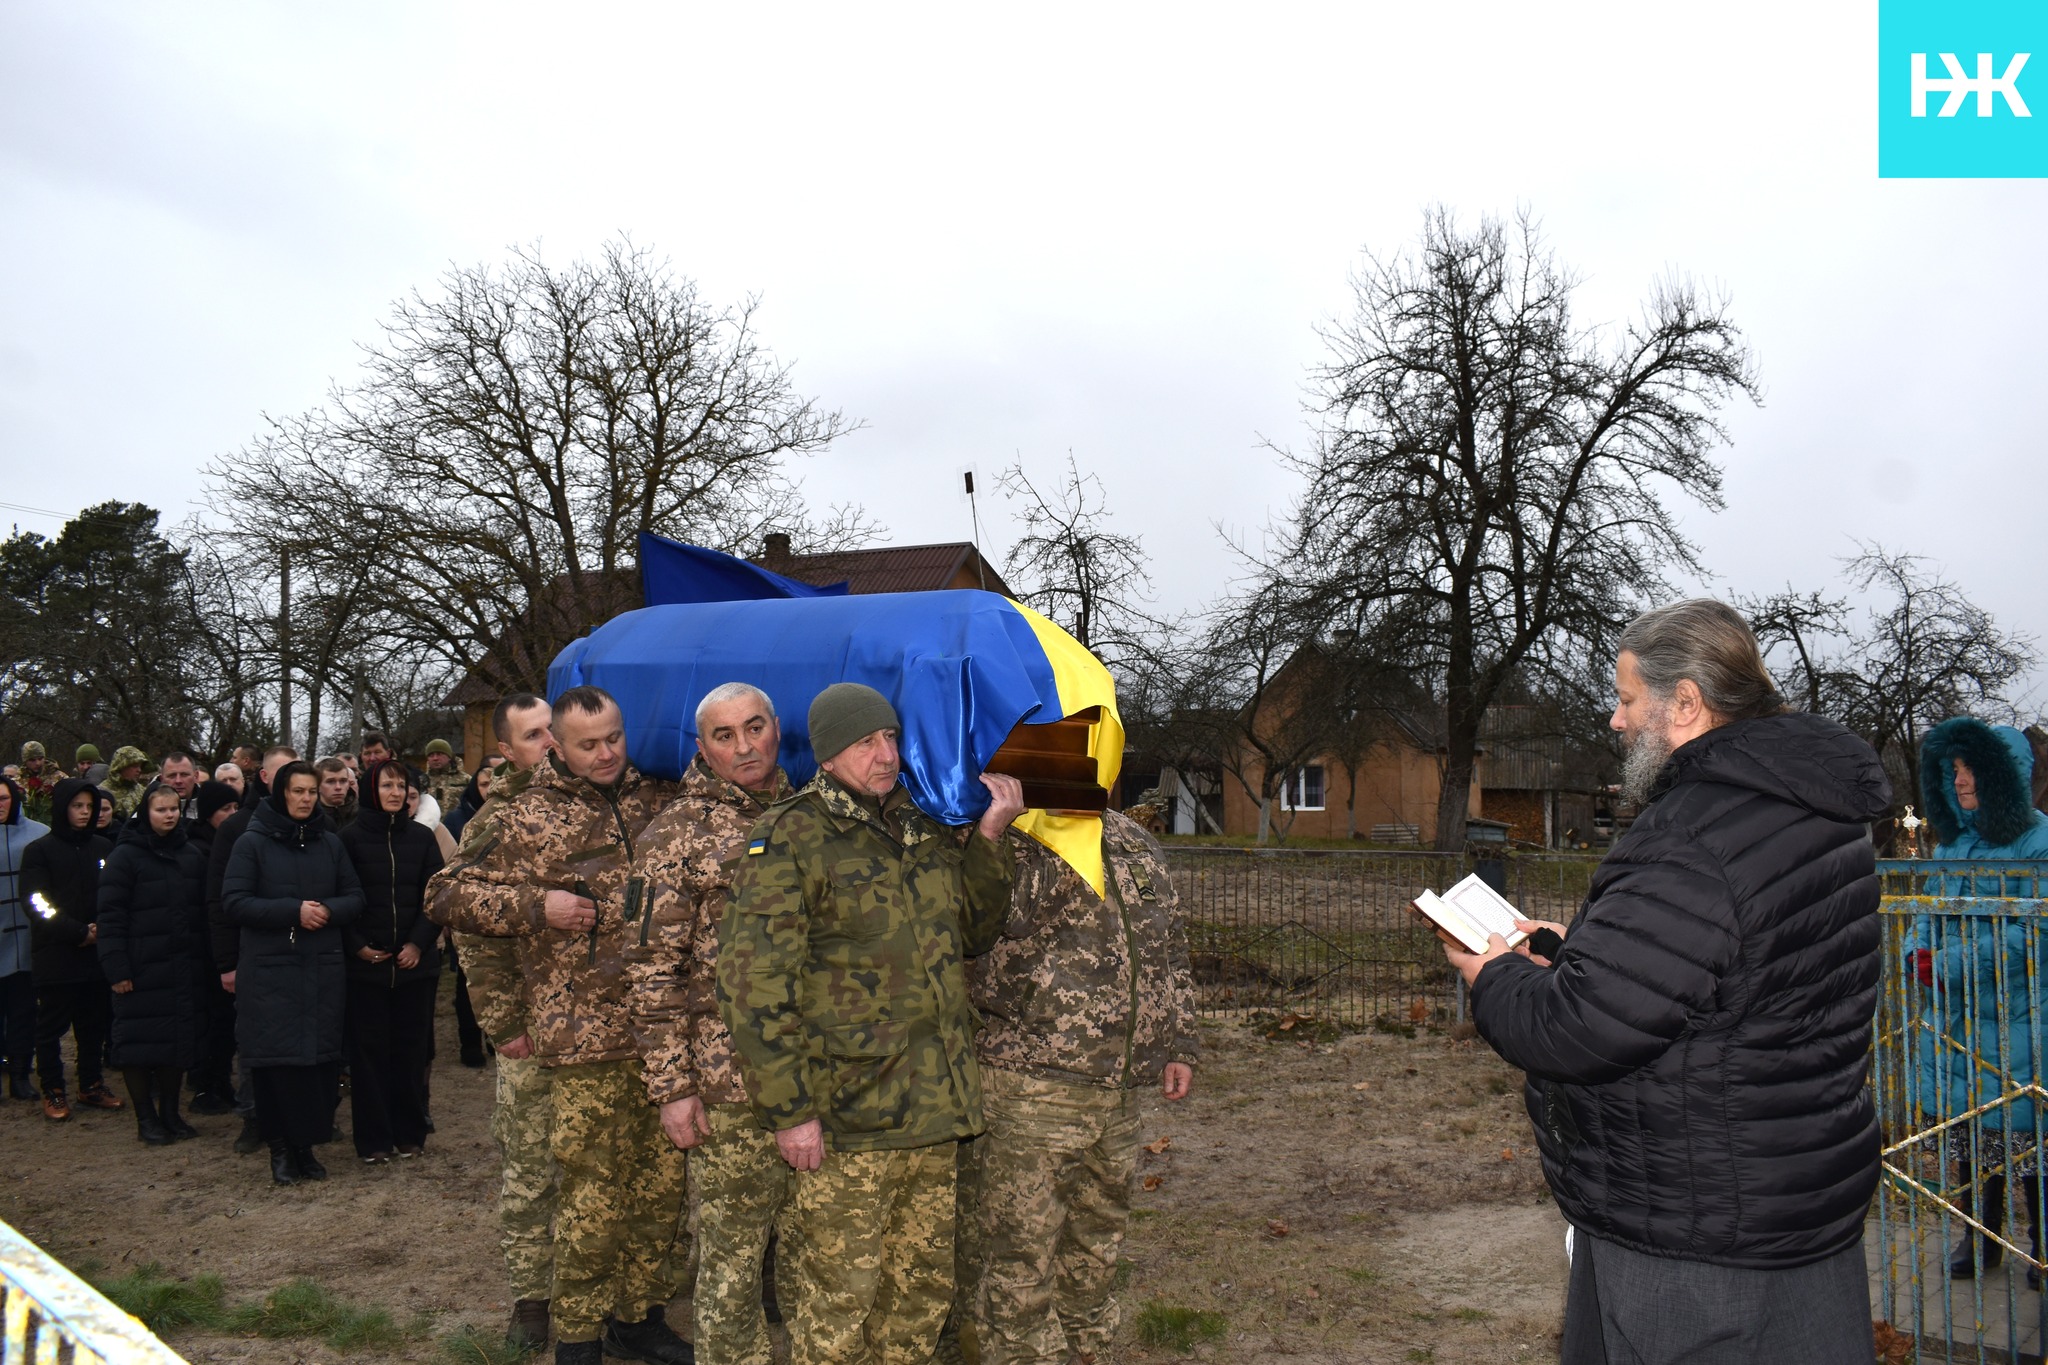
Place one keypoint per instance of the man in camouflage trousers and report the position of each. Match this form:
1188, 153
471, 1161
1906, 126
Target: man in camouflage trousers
522, 1117
741, 1180
1085, 1001
562, 873
840, 976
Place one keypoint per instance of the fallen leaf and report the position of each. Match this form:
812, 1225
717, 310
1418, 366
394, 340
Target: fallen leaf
1153, 1182
1314, 1293
1362, 1085
1155, 1148
1418, 1009
1289, 1022
1275, 1228
1507, 1154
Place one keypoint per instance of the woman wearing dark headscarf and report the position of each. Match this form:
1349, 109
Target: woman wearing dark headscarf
60, 879
291, 888
153, 949
394, 968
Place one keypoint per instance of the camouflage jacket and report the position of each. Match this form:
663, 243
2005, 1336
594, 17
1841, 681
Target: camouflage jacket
1082, 987
490, 966
446, 789
560, 833
690, 851
840, 968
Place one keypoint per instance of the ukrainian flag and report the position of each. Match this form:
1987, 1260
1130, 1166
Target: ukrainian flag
963, 669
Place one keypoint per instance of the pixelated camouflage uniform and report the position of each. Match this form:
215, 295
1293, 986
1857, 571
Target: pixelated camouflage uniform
38, 789
447, 788
127, 795
840, 976
619, 1180
522, 1114
739, 1178
1084, 1001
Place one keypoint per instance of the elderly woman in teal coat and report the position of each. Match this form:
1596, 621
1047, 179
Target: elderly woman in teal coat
1987, 975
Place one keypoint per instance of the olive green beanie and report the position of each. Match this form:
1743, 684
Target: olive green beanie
845, 712
440, 746
87, 753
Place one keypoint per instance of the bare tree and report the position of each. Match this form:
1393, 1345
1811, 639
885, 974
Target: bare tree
1072, 568
1486, 494
1797, 631
471, 500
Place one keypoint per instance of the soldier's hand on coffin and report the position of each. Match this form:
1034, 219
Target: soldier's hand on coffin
684, 1122
803, 1146
568, 911
1006, 803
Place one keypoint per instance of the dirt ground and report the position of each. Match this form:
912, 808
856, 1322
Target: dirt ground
1363, 1197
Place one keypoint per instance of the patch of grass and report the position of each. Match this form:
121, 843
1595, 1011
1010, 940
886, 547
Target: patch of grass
1140, 1215
1422, 1353
1471, 1314
164, 1303
1125, 1268
473, 1346
1177, 1328
1361, 1275
302, 1308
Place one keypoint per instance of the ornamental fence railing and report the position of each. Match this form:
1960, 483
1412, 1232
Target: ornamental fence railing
1329, 932
1956, 1239
48, 1316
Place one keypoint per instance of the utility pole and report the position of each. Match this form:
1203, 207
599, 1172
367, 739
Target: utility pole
284, 646
975, 512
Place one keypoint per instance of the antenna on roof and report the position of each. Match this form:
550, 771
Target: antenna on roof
980, 572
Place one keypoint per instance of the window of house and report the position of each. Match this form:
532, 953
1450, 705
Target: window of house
1303, 789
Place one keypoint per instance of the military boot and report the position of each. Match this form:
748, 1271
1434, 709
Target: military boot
579, 1353
281, 1169
651, 1339
529, 1330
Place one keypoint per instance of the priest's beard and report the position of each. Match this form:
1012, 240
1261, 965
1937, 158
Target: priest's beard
1648, 748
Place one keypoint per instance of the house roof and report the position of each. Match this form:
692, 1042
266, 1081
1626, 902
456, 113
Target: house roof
892, 568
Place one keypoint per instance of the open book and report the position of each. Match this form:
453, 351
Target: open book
1470, 911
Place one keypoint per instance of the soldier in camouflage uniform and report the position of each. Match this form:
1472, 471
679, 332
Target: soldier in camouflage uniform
840, 976
1085, 1001
522, 1117
562, 873
740, 1178
39, 779
445, 779
127, 791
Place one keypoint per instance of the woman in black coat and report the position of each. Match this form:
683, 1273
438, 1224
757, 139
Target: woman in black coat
153, 949
394, 969
60, 878
291, 888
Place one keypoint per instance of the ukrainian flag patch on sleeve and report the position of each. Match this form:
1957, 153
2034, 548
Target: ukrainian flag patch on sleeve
759, 846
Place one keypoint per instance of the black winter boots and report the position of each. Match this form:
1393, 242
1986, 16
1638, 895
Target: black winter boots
650, 1339
282, 1169
142, 1094
1964, 1262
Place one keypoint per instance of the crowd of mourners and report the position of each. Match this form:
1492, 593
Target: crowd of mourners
864, 1031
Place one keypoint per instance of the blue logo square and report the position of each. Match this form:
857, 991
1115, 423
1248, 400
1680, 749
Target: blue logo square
1962, 88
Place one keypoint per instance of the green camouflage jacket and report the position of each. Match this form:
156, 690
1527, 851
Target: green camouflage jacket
447, 788
490, 966
1082, 987
560, 833
839, 968
127, 795
690, 850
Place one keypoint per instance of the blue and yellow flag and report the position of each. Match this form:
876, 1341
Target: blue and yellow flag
963, 669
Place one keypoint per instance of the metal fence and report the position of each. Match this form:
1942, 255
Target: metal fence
1330, 932
1960, 1102
48, 1316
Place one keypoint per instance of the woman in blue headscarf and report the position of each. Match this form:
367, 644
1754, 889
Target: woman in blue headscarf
1988, 974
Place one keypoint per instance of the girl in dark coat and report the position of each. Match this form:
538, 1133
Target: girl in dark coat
60, 878
291, 888
394, 968
152, 947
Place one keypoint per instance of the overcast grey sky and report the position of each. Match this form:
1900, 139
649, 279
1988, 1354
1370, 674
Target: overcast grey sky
996, 232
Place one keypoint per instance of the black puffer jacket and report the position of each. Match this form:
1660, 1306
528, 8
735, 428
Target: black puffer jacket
393, 856
64, 868
153, 933
289, 981
1697, 1053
